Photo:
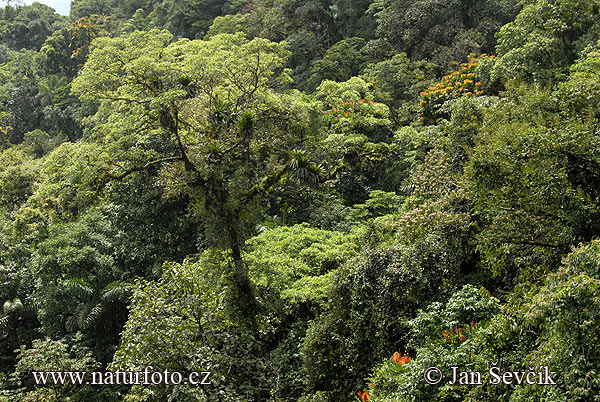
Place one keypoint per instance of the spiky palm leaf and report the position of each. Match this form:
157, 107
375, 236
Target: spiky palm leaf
80, 287
115, 291
85, 316
305, 170
93, 302
4, 322
93, 316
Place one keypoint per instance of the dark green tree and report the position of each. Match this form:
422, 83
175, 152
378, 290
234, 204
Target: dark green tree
442, 31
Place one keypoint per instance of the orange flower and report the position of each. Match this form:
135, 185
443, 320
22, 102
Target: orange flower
399, 359
363, 396
455, 333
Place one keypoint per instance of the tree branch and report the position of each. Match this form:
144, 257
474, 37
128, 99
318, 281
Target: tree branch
144, 167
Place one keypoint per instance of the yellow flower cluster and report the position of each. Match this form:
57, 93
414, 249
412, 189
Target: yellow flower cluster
462, 82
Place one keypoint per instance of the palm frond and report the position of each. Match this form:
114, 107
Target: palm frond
305, 170
115, 291
4, 322
80, 287
92, 317
85, 316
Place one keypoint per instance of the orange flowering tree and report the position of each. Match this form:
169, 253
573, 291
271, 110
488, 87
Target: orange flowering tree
83, 31
462, 82
356, 144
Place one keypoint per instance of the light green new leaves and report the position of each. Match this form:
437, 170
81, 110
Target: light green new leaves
294, 260
144, 66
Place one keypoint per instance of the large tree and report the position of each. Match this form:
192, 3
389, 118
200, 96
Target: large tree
206, 114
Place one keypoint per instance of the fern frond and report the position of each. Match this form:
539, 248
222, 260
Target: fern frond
80, 314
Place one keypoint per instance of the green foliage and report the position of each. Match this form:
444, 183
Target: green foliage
61, 355
182, 323
254, 19
38, 143
527, 189
544, 39
19, 89
320, 246
442, 31
189, 18
341, 62
73, 250
566, 309
397, 82
70, 178
213, 102
26, 27
149, 225
444, 335
578, 93
17, 175
358, 147
547, 329
289, 260
370, 302
49, 355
